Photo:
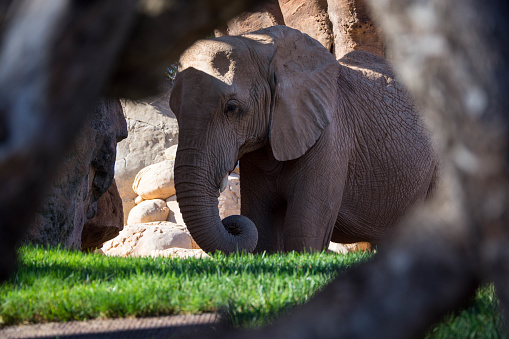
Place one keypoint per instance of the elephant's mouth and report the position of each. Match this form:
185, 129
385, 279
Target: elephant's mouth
224, 182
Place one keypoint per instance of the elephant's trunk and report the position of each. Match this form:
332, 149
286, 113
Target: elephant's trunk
197, 196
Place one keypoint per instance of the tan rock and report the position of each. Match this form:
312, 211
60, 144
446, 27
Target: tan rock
148, 211
354, 28
348, 248
174, 216
144, 239
229, 200
171, 153
180, 253
310, 17
138, 200
152, 130
266, 14
155, 181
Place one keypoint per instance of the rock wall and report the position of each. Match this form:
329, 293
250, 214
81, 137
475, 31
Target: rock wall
341, 26
309, 17
107, 223
152, 130
86, 173
265, 15
353, 28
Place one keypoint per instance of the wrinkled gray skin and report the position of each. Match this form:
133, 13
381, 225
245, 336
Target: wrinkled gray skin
327, 150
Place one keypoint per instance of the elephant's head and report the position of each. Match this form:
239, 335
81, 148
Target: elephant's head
233, 95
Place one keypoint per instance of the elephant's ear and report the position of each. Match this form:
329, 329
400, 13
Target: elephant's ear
305, 93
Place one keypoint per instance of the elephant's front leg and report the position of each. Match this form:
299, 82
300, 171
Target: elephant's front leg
313, 201
261, 201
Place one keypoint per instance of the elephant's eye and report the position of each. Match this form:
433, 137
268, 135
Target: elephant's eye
232, 108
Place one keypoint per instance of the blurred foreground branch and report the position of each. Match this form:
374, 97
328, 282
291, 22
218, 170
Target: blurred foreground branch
56, 58
454, 57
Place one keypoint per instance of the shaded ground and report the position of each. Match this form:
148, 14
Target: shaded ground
156, 327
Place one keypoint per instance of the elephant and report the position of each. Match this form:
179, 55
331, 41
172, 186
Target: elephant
328, 149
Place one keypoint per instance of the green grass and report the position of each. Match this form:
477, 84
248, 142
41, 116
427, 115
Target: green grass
480, 318
57, 285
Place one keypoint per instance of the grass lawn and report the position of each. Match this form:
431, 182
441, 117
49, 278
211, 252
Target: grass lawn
58, 285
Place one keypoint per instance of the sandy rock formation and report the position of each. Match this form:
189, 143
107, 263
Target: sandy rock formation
86, 173
108, 221
341, 26
347, 248
353, 28
265, 15
148, 211
174, 216
155, 181
229, 199
309, 17
144, 239
152, 130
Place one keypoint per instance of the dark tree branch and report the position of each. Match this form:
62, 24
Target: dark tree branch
452, 55
57, 57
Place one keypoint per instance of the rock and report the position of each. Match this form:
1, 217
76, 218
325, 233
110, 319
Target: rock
236, 170
341, 26
155, 181
229, 199
171, 153
144, 239
347, 248
310, 17
265, 15
138, 200
174, 216
107, 223
353, 28
152, 130
148, 211
85, 174
180, 253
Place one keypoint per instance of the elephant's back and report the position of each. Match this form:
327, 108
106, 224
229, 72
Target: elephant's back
367, 63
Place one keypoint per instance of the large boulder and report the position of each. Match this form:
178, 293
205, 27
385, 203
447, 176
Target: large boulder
310, 17
85, 174
152, 130
155, 181
174, 215
148, 211
144, 239
107, 223
267, 14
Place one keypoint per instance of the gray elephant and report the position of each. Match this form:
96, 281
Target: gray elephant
327, 149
